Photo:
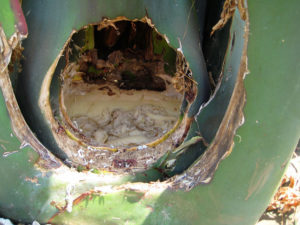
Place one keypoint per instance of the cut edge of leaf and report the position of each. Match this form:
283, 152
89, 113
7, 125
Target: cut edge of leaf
204, 168
18, 123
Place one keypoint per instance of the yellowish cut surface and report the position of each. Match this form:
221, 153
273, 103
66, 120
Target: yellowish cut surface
107, 115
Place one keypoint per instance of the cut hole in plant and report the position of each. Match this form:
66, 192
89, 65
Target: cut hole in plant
121, 90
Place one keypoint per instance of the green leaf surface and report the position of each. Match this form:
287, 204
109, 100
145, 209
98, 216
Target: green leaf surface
7, 18
244, 181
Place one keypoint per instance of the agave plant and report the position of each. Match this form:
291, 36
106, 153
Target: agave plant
140, 112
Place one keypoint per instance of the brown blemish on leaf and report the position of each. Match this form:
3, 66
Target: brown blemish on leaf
228, 11
150, 208
32, 180
62, 209
3, 147
3, 141
259, 178
58, 207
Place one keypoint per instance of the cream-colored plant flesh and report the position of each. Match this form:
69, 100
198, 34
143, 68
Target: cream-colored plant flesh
105, 114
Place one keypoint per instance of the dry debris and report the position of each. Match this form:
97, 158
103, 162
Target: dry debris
287, 198
228, 11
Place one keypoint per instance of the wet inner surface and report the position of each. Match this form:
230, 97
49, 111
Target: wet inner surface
122, 101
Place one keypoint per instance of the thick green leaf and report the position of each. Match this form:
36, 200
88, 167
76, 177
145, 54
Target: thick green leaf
68, 15
243, 183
